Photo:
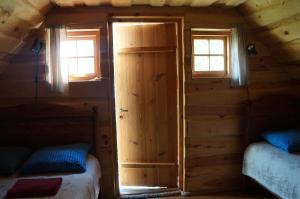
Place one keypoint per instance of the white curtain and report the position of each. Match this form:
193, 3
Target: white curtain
239, 68
57, 74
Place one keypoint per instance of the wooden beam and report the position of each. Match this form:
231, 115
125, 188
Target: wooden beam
233, 3
121, 3
140, 2
202, 3
157, 2
176, 2
67, 3
92, 2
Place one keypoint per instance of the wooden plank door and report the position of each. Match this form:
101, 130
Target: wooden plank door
146, 104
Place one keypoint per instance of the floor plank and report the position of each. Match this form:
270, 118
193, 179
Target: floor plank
218, 197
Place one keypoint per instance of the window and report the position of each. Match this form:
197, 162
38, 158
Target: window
83, 54
210, 54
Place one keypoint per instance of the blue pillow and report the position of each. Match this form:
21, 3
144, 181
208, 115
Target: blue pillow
11, 158
288, 140
68, 158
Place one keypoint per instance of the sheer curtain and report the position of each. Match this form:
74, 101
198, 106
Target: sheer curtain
57, 74
239, 68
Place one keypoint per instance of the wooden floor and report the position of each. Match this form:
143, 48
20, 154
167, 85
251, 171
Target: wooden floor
220, 197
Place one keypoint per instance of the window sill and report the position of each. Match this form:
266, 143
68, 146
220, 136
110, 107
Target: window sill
96, 79
212, 76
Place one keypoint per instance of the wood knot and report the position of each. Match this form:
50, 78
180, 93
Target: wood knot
286, 32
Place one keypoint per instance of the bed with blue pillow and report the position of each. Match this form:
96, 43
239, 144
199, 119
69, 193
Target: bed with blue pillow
272, 156
274, 168
43, 141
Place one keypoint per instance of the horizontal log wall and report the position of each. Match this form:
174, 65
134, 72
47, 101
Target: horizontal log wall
215, 116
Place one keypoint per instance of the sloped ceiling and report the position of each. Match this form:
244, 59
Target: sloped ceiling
275, 21
277, 24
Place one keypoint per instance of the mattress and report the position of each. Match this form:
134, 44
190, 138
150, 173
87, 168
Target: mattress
76, 186
273, 168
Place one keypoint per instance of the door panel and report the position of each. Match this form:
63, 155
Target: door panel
146, 104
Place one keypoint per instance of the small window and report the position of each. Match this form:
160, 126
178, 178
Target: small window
210, 54
83, 54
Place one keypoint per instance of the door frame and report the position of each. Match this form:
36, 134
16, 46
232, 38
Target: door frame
179, 21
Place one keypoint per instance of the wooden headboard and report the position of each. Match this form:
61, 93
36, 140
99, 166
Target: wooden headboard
271, 113
39, 125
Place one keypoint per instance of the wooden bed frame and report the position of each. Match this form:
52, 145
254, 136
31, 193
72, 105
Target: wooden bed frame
40, 125
272, 112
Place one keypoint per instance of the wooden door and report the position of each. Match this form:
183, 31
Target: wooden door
146, 104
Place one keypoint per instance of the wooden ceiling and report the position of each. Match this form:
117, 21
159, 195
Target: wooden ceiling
193, 3
275, 21
277, 24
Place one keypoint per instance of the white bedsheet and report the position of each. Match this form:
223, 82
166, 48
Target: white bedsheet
74, 186
275, 169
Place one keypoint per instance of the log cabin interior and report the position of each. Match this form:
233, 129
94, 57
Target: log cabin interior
150, 99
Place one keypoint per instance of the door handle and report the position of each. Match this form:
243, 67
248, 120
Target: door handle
123, 110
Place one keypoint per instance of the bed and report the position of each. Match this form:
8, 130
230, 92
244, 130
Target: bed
43, 125
276, 170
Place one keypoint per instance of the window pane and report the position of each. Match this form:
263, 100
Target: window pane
216, 46
86, 65
71, 48
201, 63
72, 64
217, 63
85, 47
201, 46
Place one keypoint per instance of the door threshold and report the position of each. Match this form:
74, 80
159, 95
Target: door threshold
145, 190
150, 193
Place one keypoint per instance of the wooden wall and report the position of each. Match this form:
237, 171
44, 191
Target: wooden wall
214, 110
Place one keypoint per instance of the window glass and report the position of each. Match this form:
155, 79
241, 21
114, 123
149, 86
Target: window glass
210, 54
201, 63
81, 57
216, 46
86, 65
216, 63
72, 64
85, 47
71, 46
201, 46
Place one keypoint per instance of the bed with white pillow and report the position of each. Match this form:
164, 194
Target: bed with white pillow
74, 185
